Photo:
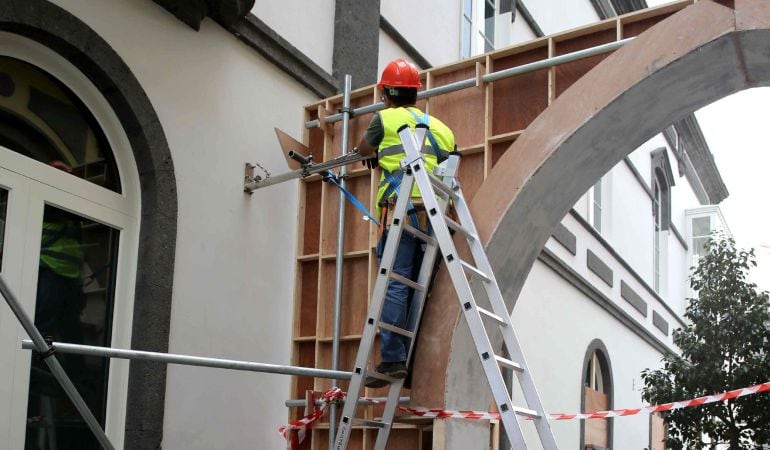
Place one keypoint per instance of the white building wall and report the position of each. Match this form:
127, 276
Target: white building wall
233, 280
432, 27
389, 50
556, 352
307, 25
520, 31
554, 16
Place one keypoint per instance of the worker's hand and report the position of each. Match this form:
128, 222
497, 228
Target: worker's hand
371, 163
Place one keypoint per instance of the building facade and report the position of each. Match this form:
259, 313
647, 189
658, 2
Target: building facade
125, 129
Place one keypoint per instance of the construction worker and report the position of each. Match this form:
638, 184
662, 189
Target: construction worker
399, 83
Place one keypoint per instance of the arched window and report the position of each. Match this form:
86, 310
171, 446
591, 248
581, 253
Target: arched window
662, 180
596, 396
69, 225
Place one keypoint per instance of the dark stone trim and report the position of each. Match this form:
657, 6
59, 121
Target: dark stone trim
597, 266
67, 35
647, 189
639, 178
402, 42
604, 362
702, 160
531, 22
662, 177
633, 298
356, 41
565, 237
679, 237
659, 322
623, 263
192, 12
257, 35
563, 269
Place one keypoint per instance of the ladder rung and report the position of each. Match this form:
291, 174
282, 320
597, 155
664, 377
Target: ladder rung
380, 376
500, 321
460, 229
371, 423
406, 281
509, 364
475, 271
438, 184
419, 234
531, 413
395, 329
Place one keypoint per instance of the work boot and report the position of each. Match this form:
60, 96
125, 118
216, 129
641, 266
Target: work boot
391, 369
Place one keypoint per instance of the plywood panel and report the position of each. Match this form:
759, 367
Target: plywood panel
315, 138
466, 122
657, 432
596, 430
309, 291
354, 296
568, 73
639, 27
498, 149
348, 350
356, 439
518, 100
357, 125
310, 217
356, 235
471, 174
305, 354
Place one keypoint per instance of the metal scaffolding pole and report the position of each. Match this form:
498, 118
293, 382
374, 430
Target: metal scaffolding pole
47, 351
340, 251
171, 358
297, 403
488, 78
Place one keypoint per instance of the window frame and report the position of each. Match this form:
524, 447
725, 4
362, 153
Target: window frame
46, 185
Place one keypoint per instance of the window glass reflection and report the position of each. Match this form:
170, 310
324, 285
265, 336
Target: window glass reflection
74, 304
42, 119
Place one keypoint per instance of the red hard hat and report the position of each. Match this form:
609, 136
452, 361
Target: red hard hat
400, 73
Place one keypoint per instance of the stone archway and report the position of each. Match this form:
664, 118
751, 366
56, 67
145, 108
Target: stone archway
699, 55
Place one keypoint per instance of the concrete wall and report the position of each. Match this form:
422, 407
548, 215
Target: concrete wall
218, 102
309, 26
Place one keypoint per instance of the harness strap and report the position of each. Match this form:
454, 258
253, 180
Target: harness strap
331, 178
425, 119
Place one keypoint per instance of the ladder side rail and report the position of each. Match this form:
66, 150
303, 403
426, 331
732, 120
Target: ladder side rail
416, 309
465, 296
371, 325
516, 354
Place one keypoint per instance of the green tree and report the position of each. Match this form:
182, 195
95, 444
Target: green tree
725, 346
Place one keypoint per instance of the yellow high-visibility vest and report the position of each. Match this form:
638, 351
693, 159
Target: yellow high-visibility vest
60, 249
390, 151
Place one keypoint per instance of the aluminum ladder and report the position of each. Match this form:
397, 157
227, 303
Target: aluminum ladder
436, 194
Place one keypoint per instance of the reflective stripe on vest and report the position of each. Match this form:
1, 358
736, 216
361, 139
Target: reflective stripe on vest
391, 152
61, 250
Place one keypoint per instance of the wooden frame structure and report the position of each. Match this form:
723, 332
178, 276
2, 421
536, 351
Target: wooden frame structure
486, 120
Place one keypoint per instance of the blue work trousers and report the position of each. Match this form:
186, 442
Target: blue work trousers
395, 309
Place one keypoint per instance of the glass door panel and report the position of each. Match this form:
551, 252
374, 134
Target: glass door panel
74, 304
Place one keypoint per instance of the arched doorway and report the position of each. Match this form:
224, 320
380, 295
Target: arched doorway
69, 201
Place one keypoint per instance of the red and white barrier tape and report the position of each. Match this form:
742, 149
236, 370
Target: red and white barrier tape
336, 394
303, 425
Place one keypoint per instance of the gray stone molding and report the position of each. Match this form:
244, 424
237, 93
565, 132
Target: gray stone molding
67, 35
659, 322
257, 35
563, 269
597, 266
702, 160
529, 19
356, 41
402, 42
192, 12
565, 237
625, 265
629, 295
643, 185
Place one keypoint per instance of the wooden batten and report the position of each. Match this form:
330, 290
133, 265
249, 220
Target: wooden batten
487, 120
